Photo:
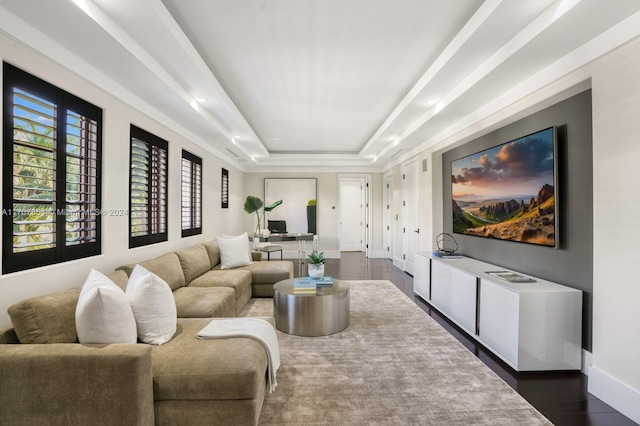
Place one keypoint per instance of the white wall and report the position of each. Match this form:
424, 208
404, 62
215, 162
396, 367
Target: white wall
377, 215
117, 118
328, 218
427, 218
615, 375
397, 218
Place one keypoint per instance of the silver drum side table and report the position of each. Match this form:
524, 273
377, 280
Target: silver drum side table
325, 312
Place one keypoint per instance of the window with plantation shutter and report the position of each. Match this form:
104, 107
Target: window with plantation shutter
224, 190
51, 176
147, 188
191, 194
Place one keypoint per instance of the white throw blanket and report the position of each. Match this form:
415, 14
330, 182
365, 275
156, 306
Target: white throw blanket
253, 328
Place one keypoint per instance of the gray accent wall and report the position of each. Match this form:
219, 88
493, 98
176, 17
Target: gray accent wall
570, 264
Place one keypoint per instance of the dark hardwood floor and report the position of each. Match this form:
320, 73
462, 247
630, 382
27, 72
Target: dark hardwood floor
560, 396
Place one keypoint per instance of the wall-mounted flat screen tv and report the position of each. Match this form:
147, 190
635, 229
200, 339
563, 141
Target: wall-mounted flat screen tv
508, 192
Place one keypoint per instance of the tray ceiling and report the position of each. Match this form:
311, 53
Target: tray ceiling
353, 85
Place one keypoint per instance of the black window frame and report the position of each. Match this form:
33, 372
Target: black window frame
194, 183
224, 189
62, 205
156, 207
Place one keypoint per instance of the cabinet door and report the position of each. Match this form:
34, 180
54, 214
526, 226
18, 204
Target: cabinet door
462, 300
421, 276
440, 285
499, 320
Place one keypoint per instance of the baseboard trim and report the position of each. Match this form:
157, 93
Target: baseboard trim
586, 362
293, 255
376, 254
331, 254
398, 263
619, 395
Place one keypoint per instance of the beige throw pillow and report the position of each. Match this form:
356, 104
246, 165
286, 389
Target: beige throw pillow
103, 313
46, 319
153, 306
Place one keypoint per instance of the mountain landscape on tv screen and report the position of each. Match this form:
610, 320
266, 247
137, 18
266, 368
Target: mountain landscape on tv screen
514, 219
484, 185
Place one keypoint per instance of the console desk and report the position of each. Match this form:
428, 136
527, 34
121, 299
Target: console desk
532, 326
300, 238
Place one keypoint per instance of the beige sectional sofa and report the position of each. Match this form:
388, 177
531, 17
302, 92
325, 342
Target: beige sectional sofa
49, 378
190, 271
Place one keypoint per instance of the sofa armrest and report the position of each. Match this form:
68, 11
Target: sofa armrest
70, 383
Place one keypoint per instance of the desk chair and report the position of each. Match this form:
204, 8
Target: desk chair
275, 227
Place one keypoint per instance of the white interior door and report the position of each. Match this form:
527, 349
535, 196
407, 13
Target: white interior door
387, 216
352, 214
411, 213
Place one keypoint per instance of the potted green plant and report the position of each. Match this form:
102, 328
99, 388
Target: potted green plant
316, 264
253, 205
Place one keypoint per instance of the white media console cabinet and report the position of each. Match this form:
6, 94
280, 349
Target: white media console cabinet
532, 326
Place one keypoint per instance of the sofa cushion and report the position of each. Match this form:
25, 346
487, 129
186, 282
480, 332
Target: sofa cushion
8, 336
262, 290
120, 278
233, 368
103, 312
236, 279
256, 256
213, 250
269, 272
205, 302
234, 251
166, 267
194, 261
153, 306
46, 319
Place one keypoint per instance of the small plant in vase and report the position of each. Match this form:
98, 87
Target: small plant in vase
316, 264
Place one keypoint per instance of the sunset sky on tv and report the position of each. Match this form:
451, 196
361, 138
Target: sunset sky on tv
518, 167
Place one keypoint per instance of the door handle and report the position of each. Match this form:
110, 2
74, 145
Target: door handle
417, 230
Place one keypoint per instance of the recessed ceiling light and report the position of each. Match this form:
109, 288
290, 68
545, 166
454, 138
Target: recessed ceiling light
201, 99
431, 102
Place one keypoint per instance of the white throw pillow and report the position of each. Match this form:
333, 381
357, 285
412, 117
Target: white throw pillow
234, 251
153, 306
103, 312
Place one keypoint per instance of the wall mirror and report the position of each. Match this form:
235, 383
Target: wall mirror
295, 195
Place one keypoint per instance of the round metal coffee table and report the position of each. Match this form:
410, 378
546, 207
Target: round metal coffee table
325, 312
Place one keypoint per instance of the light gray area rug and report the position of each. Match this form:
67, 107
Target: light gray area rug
394, 365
